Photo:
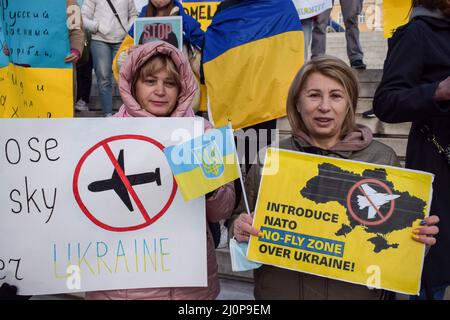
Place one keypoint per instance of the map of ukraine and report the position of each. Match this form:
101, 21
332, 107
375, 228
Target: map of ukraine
333, 184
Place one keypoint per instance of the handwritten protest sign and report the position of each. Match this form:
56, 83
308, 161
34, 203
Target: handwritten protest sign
202, 11
34, 79
168, 29
342, 219
91, 204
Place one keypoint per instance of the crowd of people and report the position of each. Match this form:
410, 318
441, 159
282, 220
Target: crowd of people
158, 80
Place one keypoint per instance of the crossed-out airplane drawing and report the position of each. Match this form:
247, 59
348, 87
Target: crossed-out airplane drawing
377, 199
116, 184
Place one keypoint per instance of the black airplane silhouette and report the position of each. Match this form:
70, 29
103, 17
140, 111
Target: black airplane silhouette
116, 184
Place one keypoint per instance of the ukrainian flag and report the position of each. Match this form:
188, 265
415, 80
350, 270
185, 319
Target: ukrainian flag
252, 52
203, 164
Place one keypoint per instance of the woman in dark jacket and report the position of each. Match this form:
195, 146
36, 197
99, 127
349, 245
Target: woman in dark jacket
416, 88
321, 108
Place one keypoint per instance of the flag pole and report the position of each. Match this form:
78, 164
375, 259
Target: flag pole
240, 172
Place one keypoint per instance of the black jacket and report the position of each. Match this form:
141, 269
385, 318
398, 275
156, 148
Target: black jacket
418, 59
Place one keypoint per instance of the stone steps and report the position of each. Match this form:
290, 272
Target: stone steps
373, 44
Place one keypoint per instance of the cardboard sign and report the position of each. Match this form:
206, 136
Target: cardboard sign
202, 11
35, 82
395, 14
91, 204
342, 219
168, 29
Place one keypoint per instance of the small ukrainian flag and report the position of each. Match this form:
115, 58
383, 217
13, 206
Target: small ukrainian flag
203, 164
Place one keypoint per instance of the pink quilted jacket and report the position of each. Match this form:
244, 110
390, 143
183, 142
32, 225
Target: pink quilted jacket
219, 206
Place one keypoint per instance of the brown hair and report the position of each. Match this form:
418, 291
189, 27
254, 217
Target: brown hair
333, 68
154, 65
151, 9
442, 5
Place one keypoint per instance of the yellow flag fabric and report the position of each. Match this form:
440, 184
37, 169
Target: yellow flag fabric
127, 43
395, 14
341, 219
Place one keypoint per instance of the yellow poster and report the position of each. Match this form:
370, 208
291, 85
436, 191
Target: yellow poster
342, 219
36, 92
395, 14
202, 11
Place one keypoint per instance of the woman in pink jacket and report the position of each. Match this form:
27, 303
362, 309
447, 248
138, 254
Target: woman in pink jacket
156, 81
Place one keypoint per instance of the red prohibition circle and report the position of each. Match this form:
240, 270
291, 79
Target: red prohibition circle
355, 216
85, 210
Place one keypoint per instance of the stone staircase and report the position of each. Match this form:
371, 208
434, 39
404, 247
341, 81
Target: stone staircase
374, 47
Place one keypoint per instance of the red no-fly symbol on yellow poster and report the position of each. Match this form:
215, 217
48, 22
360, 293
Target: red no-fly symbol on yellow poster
374, 201
124, 183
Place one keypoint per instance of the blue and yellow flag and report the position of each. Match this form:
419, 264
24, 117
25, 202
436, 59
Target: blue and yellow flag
203, 164
252, 52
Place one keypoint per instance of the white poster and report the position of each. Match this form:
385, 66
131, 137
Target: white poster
91, 204
310, 8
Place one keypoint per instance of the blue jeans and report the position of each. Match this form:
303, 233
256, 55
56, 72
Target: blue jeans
102, 56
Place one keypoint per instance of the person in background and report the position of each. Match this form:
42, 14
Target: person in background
84, 73
193, 36
76, 32
321, 108
350, 11
108, 21
416, 88
156, 81
308, 20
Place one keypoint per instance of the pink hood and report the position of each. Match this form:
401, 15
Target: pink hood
132, 64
